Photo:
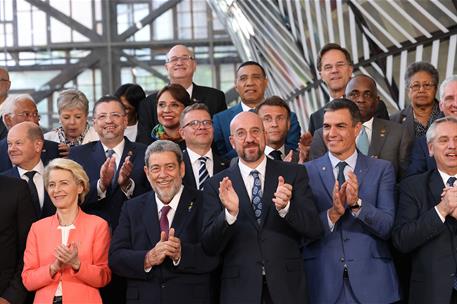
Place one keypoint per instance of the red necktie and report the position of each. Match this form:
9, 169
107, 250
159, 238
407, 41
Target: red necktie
164, 226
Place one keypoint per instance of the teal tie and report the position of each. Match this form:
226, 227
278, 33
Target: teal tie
362, 141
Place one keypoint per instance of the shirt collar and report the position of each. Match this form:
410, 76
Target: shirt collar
119, 149
190, 89
445, 177
351, 160
368, 124
246, 171
268, 149
39, 168
195, 156
173, 203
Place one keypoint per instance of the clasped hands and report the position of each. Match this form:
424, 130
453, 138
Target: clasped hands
166, 247
65, 255
229, 197
346, 195
448, 204
108, 169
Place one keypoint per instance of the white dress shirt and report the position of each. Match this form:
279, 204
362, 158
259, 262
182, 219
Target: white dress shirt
195, 162
37, 179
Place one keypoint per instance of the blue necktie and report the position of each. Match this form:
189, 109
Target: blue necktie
203, 174
341, 179
257, 195
451, 181
362, 141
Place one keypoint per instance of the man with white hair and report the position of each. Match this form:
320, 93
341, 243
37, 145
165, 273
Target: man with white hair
17, 109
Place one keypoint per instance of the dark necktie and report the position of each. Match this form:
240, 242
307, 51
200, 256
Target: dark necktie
109, 153
252, 110
257, 195
276, 154
164, 225
33, 189
203, 174
341, 179
451, 181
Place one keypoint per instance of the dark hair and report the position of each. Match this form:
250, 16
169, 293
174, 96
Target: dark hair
274, 101
193, 107
108, 98
246, 63
329, 47
178, 92
421, 66
344, 103
132, 92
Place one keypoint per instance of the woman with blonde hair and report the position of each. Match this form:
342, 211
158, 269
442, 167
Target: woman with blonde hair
66, 256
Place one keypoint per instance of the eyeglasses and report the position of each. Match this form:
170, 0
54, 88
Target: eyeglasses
338, 66
195, 124
355, 94
184, 58
28, 114
243, 133
113, 115
426, 86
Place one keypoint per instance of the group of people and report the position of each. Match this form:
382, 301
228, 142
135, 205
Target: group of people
173, 198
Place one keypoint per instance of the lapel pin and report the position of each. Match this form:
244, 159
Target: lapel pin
323, 168
191, 204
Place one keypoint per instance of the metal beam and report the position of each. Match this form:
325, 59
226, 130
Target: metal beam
144, 66
72, 23
148, 19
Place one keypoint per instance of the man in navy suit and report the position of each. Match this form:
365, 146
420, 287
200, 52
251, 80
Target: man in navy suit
17, 109
355, 200
420, 160
197, 131
180, 65
257, 215
251, 83
157, 243
25, 142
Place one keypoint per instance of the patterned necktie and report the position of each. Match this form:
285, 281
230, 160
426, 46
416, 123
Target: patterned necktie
451, 181
32, 188
257, 195
276, 154
341, 179
203, 174
164, 225
362, 141
109, 153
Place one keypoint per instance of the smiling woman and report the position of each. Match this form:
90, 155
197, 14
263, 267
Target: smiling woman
69, 248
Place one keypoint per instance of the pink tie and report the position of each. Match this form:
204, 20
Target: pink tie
164, 219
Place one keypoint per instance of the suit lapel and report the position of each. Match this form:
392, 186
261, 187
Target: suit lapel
378, 137
129, 150
361, 168
218, 164
151, 218
436, 187
189, 177
183, 213
326, 173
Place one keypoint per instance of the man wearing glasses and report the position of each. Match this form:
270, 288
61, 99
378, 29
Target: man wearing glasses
180, 64
197, 131
17, 109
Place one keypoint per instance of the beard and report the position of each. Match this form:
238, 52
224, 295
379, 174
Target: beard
166, 195
251, 157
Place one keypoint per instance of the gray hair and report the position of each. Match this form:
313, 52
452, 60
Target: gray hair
421, 66
163, 146
72, 99
431, 132
192, 107
9, 105
445, 83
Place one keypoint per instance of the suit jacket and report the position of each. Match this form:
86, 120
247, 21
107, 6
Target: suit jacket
48, 208
247, 248
360, 242
295, 156
389, 141
49, 152
139, 231
214, 99
221, 125
92, 235
420, 159
316, 119
91, 157
189, 178
16, 216
3, 129
419, 230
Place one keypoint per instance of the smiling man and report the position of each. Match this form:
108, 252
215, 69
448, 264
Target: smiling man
356, 204
180, 65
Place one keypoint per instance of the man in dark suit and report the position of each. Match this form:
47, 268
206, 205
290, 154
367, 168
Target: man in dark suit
426, 225
383, 139
25, 143
5, 84
16, 217
197, 131
180, 65
157, 243
251, 83
420, 159
355, 199
257, 216
335, 69
17, 109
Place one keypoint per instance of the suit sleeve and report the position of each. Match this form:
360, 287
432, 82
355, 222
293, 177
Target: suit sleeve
146, 119
418, 160
15, 292
293, 136
413, 228
379, 216
219, 142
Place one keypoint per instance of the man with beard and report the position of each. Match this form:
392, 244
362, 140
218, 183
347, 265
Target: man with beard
257, 215
157, 243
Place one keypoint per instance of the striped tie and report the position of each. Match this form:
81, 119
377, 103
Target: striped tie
203, 174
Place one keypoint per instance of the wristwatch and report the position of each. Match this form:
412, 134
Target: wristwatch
357, 205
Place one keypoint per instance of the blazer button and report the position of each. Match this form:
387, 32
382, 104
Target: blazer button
163, 285
342, 259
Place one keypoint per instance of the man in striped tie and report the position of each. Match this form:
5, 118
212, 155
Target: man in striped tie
199, 159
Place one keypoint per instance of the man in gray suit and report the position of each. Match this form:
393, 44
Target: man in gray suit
379, 138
